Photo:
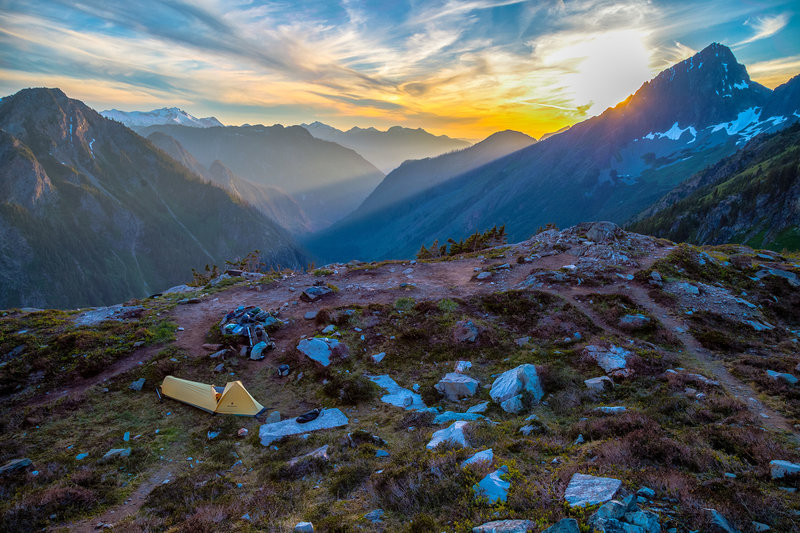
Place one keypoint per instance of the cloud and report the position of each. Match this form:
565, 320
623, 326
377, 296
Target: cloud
765, 26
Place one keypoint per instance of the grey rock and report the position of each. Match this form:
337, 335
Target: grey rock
273, 417
565, 525
655, 276
780, 469
219, 353
257, 353
599, 384
513, 383
604, 232
312, 294
455, 386
375, 515
311, 315
483, 275
220, 367
116, 453
718, 522
635, 320
465, 331
590, 490
758, 527
328, 418
322, 349
453, 434
647, 520
304, 527
493, 487
378, 357
505, 526
788, 378
138, 384
15, 464
320, 453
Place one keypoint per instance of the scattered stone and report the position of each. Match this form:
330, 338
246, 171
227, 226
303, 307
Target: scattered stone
327, 330
647, 520
116, 453
454, 434
117, 313
213, 435
273, 417
780, 469
465, 331
397, 395
636, 320
611, 359
599, 384
304, 527
565, 525
522, 341
758, 527
219, 368
480, 408
610, 409
493, 487
505, 526
455, 386
311, 315
450, 416
220, 353
374, 516
81, 456
462, 366
15, 464
590, 490
378, 357
655, 276
511, 384
718, 522
257, 352
321, 349
242, 432
328, 418
579, 440
788, 378
483, 275
179, 289
283, 370
312, 294
138, 384
647, 492
381, 453
486, 456
604, 232
791, 277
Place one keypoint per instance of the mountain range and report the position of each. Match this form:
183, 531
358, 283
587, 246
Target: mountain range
388, 149
751, 197
326, 180
94, 214
609, 167
165, 115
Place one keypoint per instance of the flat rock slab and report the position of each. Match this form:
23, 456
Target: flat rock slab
397, 395
486, 456
312, 294
493, 487
779, 469
327, 419
450, 416
590, 490
114, 312
16, 464
505, 526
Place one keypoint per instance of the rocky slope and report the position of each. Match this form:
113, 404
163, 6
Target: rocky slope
94, 214
621, 382
271, 201
388, 149
608, 167
751, 197
326, 180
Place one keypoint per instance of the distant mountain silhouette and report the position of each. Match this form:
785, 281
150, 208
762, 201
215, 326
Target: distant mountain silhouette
326, 180
93, 214
609, 167
388, 149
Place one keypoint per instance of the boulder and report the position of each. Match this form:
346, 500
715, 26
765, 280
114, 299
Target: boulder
257, 352
779, 469
327, 419
312, 294
590, 490
322, 349
604, 232
15, 464
505, 526
116, 453
493, 487
465, 331
453, 434
304, 527
513, 383
455, 386
788, 378
565, 525
138, 384
513, 404
599, 384
462, 366
609, 359
479, 408
486, 456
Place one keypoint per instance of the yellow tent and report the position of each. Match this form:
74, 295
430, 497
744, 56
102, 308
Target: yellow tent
233, 399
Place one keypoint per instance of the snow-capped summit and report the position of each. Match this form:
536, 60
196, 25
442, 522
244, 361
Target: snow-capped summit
165, 115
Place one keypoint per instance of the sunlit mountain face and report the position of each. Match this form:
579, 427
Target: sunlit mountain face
465, 69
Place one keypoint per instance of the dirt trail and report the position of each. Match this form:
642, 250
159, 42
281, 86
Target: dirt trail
130, 507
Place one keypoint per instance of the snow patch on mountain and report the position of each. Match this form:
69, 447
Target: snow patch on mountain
674, 133
165, 115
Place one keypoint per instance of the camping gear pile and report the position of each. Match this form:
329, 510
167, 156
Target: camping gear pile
232, 399
252, 323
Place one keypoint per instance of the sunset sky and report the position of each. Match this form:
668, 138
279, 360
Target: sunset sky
460, 68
